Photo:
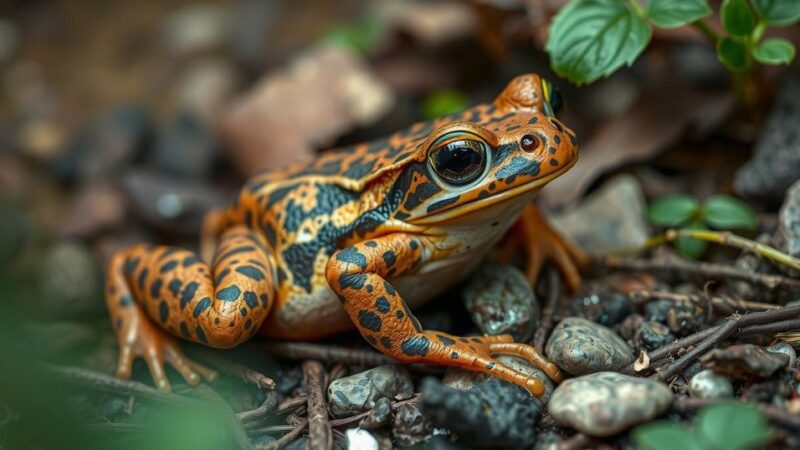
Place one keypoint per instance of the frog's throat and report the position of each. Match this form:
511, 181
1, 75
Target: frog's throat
477, 205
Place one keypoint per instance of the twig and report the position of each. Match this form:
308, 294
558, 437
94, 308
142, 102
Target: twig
732, 240
774, 414
326, 353
319, 429
731, 305
286, 438
265, 408
108, 383
553, 295
291, 403
707, 270
723, 332
236, 369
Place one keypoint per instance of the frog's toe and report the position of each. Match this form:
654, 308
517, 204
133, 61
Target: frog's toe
529, 354
207, 374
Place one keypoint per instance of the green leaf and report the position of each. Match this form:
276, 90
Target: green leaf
732, 54
737, 17
442, 103
724, 212
692, 248
778, 12
774, 51
733, 426
361, 37
676, 13
665, 435
673, 210
590, 39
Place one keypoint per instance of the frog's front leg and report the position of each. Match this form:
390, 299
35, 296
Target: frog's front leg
155, 289
358, 274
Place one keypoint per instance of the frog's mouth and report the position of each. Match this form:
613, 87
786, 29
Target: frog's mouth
447, 215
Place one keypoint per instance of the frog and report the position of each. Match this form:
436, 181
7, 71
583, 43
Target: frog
358, 239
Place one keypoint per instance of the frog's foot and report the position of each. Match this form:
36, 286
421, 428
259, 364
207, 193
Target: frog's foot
138, 337
541, 243
476, 354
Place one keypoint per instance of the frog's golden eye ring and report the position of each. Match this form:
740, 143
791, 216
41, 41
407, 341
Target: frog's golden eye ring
459, 158
553, 101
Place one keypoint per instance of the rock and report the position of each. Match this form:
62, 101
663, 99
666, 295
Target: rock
681, 316
709, 385
410, 426
548, 441
358, 439
746, 361
197, 28
107, 145
98, 206
606, 308
628, 328
359, 392
167, 204
652, 335
379, 415
775, 164
465, 380
784, 348
492, 414
325, 92
609, 219
501, 301
70, 282
205, 86
579, 346
185, 147
788, 233
430, 24
605, 403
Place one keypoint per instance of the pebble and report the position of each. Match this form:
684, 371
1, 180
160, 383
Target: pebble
611, 218
379, 415
580, 346
359, 439
70, 282
746, 361
709, 385
359, 392
500, 300
788, 233
682, 317
775, 164
185, 147
605, 403
494, 413
410, 426
652, 335
605, 308
783, 348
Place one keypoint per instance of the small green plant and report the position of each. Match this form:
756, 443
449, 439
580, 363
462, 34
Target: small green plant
442, 103
728, 426
590, 39
720, 212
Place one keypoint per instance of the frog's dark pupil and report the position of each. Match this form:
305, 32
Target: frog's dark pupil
556, 101
459, 162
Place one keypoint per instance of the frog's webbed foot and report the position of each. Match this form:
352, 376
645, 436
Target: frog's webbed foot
541, 244
138, 337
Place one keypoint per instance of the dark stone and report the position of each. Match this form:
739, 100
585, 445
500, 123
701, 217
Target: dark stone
682, 317
501, 301
185, 147
410, 426
494, 413
776, 161
652, 335
379, 415
605, 308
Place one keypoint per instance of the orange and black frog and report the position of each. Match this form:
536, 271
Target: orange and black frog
360, 237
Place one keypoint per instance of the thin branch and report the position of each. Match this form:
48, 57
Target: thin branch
732, 240
319, 428
553, 295
270, 401
326, 353
237, 370
729, 304
286, 439
706, 270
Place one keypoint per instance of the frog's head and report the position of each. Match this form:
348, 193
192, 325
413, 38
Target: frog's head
495, 155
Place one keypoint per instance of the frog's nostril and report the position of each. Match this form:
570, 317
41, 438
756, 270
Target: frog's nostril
528, 142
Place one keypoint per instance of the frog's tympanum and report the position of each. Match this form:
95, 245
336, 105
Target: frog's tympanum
361, 237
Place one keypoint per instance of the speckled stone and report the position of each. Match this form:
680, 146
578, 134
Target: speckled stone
359, 392
501, 301
579, 346
605, 403
709, 385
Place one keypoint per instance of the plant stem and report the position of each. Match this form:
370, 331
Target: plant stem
638, 9
708, 32
732, 240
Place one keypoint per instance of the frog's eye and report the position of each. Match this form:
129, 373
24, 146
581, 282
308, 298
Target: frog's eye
556, 100
460, 160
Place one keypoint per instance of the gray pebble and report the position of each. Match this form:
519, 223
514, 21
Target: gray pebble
710, 385
605, 403
579, 346
359, 392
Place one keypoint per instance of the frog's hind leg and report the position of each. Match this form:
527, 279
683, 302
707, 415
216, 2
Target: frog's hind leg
358, 275
152, 290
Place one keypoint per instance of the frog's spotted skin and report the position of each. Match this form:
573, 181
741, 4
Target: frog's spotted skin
360, 237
